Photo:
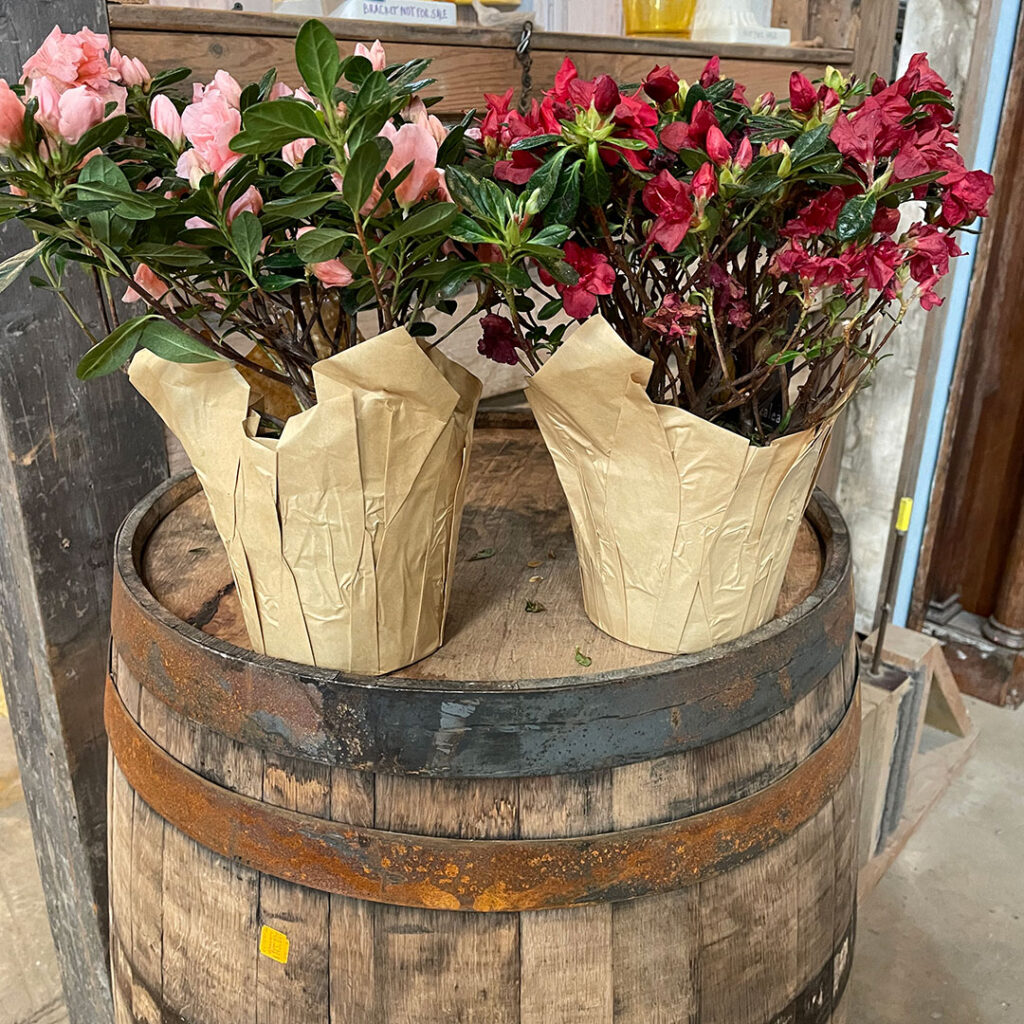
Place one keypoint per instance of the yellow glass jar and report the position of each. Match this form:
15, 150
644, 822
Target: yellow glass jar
659, 17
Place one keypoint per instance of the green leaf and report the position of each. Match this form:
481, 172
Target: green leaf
299, 207
583, 659
301, 180
171, 255
431, 219
101, 178
163, 339
566, 199
553, 234
810, 143
167, 78
320, 245
481, 554
114, 350
534, 607
453, 283
544, 181
97, 137
533, 141
465, 229
422, 329
14, 265
267, 127
318, 60
562, 272
597, 186
246, 236
855, 217
363, 168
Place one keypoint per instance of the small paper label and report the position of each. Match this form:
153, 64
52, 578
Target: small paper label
274, 944
903, 516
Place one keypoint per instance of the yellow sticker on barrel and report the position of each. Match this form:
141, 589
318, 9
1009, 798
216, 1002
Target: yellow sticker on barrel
274, 944
903, 516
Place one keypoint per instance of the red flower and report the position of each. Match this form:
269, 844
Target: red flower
739, 94
671, 203
930, 150
705, 183
802, 94
596, 277
744, 154
711, 73
606, 94
717, 145
880, 263
967, 197
499, 340
661, 84
567, 73
818, 216
635, 119
930, 250
886, 220
680, 135
519, 168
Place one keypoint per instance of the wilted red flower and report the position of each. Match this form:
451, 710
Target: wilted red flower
498, 341
802, 94
674, 318
711, 73
671, 202
596, 277
661, 84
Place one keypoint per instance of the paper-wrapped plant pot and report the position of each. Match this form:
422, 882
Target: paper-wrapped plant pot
341, 534
683, 528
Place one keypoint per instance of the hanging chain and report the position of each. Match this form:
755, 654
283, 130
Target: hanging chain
525, 58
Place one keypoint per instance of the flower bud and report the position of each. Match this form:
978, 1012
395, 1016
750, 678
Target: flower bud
166, 120
12, 115
802, 94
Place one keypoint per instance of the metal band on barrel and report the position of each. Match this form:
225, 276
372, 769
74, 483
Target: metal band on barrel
470, 729
477, 874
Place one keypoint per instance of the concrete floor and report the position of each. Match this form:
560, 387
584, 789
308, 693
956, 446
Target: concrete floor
940, 939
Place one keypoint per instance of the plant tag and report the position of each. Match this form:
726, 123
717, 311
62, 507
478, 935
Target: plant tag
274, 944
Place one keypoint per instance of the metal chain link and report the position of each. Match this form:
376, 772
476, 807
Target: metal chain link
525, 58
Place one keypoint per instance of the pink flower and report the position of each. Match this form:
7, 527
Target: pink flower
417, 113
498, 341
279, 91
71, 60
148, 282
802, 94
80, 109
375, 54
249, 201
166, 120
671, 203
131, 70
210, 123
48, 97
293, 153
226, 86
412, 144
596, 277
192, 167
12, 114
332, 273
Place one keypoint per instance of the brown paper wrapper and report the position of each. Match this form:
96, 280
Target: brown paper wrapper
341, 533
683, 529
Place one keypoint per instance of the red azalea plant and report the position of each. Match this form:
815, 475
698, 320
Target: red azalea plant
760, 253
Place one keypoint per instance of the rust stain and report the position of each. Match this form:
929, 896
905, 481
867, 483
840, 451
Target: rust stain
485, 875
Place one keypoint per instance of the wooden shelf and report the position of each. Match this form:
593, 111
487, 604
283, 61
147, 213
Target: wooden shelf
468, 62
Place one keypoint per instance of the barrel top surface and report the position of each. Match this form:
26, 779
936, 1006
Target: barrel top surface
515, 553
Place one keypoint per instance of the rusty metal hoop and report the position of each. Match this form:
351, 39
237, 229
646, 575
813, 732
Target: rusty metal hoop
482, 875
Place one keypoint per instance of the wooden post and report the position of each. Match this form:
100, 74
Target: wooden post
76, 459
1005, 625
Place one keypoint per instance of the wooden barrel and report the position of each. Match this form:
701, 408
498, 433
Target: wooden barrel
536, 825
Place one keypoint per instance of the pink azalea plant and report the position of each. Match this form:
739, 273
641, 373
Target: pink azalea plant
249, 223
760, 251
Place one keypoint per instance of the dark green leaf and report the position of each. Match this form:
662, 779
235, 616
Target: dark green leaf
299, 207
597, 185
549, 309
454, 281
533, 141
535, 606
553, 234
113, 351
431, 219
101, 178
267, 127
544, 181
301, 180
809, 143
363, 168
171, 76
316, 54
246, 235
98, 137
422, 329
855, 217
566, 199
168, 342
481, 554
562, 272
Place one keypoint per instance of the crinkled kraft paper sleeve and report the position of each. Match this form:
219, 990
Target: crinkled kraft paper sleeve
341, 534
683, 529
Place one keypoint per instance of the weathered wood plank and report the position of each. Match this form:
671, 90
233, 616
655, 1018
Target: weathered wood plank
297, 991
566, 968
75, 460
